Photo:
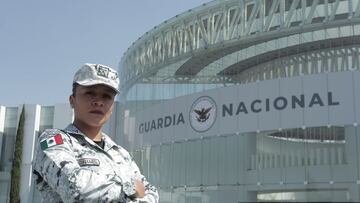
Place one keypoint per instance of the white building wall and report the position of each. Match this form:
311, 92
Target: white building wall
63, 115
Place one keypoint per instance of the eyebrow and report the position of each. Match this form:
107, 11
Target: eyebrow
110, 91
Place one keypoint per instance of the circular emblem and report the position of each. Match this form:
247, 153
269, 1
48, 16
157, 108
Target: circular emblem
202, 114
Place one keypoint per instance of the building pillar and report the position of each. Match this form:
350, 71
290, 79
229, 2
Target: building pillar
354, 191
2, 126
4, 175
31, 129
245, 195
247, 155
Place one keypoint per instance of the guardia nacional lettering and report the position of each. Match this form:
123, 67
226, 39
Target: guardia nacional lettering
278, 103
163, 122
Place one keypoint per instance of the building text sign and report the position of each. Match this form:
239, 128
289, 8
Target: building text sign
314, 100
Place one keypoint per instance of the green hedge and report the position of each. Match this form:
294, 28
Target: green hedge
16, 165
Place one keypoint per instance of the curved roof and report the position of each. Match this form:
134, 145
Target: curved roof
214, 30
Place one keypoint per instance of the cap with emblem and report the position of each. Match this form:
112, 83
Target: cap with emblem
95, 74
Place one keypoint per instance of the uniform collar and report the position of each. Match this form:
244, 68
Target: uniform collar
72, 129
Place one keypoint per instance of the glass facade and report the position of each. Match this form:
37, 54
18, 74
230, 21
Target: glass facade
9, 135
303, 163
297, 164
46, 118
7, 146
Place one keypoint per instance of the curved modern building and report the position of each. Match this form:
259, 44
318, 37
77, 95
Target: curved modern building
247, 100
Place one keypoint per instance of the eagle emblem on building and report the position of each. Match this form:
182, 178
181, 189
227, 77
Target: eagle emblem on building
203, 114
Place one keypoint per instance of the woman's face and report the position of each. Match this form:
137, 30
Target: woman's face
92, 104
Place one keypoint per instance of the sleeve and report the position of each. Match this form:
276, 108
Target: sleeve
151, 193
55, 161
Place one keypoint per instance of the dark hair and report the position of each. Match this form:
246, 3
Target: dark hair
74, 86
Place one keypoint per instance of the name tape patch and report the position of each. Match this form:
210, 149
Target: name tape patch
88, 162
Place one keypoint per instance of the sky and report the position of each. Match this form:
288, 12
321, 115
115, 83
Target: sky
44, 42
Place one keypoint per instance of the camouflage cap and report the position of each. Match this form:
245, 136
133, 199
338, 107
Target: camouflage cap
95, 74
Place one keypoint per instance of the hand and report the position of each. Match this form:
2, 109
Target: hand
140, 189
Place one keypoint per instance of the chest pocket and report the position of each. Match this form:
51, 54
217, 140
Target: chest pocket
90, 158
97, 163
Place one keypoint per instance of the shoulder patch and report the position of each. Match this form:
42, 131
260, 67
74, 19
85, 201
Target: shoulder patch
51, 141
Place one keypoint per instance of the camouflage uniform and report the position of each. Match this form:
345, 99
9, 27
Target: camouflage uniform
78, 170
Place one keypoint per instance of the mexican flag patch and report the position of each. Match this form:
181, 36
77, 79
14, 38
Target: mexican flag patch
52, 141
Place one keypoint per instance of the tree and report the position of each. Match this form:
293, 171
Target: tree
16, 165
